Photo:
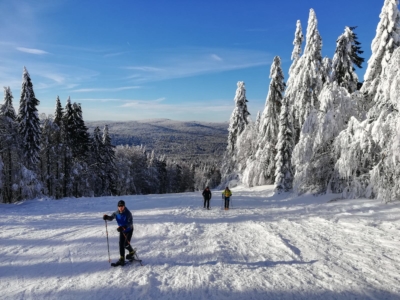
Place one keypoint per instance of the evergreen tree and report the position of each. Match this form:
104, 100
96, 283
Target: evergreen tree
58, 113
28, 121
305, 82
386, 40
284, 147
346, 56
109, 163
297, 42
239, 116
97, 162
269, 127
313, 156
237, 124
10, 154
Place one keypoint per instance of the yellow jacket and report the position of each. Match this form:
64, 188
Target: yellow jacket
227, 193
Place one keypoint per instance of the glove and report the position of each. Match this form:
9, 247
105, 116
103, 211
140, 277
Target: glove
120, 229
105, 217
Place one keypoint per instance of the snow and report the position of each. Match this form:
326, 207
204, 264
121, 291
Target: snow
265, 247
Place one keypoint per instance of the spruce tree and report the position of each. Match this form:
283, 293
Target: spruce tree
386, 40
346, 56
284, 147
237, 125
269, 126
28, 122
10, 154
109, 163
305, 81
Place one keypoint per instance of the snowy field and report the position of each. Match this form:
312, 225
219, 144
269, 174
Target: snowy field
265, 247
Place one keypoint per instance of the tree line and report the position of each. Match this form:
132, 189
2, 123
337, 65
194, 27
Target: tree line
322, 130
56, 156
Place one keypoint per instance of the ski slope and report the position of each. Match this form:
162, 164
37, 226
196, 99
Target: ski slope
265, 247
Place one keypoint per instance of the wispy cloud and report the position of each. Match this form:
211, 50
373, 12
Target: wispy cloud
32, 51
136, 103
181, 63
145, 69
105, 89
216, 57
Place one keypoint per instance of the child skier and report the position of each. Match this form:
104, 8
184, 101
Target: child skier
207, 197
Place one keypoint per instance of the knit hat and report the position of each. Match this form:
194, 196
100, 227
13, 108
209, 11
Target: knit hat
121, 203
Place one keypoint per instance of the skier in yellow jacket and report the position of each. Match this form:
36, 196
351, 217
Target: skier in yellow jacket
226, 194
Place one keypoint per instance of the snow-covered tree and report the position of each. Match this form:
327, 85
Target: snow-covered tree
10, 154
297, 43
313, 155
28, 122
109, 163
264, 166
386, 40
346, 56
284, 170
305, 80
238, 120
237, 124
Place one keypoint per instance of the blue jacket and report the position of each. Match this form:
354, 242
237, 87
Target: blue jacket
124, 219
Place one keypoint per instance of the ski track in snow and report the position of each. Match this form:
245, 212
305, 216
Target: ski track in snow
264, 247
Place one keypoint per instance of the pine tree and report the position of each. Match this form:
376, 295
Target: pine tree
58, 113
386, 40
305, 81
284, 170
239, 116
10, 154
237, 124
269, 126
346, 56
97, 162
28, 121
109, 163
313, 155
297, 42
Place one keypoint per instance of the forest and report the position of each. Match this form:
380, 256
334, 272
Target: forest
322, 131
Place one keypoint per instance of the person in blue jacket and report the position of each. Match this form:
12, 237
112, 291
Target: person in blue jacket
125, 229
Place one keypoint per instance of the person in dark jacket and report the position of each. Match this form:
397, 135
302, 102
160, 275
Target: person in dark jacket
207, 197
125, 229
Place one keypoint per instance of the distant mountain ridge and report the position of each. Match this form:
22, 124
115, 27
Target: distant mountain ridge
176, 139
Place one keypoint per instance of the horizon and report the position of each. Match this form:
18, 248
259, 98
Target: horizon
152, 60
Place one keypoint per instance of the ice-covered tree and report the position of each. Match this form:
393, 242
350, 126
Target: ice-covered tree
237, 124
345, 58
7, 109
269, 128
305, 81
386, 40
313, 155
284, 170
238, 120
28, 122
297, 43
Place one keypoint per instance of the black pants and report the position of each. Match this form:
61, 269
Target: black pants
227, 202
206, 203
124, 242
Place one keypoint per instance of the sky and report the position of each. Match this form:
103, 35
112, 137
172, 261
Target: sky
181, 59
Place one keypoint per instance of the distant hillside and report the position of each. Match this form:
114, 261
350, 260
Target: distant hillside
184, 140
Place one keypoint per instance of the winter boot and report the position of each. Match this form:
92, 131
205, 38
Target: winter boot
120, 262
131, 255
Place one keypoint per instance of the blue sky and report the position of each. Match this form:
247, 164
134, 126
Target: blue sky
176, 59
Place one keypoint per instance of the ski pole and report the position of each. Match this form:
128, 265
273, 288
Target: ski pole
108, 244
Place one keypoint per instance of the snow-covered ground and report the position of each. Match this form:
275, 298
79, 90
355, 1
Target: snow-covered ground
265, 247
